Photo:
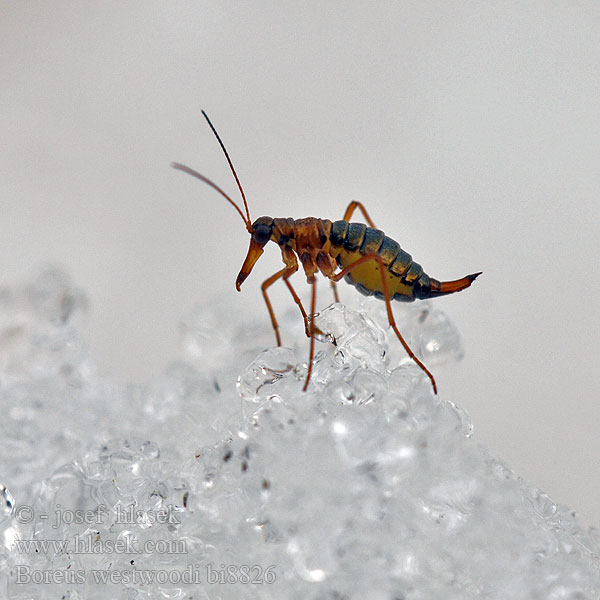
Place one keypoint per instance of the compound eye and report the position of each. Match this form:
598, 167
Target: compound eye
262, 234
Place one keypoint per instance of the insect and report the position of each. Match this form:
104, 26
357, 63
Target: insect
366, 258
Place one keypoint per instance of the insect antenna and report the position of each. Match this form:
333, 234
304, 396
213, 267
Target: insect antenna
213, 185
193, 173
230, 164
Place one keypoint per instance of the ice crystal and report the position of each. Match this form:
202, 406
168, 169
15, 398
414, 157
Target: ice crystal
194, 487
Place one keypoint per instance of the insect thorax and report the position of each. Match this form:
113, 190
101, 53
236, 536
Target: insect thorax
302, 235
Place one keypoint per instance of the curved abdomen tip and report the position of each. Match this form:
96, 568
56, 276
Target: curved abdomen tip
443, 288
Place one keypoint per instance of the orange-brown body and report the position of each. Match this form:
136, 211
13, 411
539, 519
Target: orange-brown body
368, 259
322, 246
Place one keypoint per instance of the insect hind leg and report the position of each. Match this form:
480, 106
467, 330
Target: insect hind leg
352, 207
349, 212
388, 305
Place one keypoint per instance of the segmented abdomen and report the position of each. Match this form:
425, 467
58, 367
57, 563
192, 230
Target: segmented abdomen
405, 278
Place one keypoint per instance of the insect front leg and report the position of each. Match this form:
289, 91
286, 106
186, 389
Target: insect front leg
286, 273
267, 283
386, 293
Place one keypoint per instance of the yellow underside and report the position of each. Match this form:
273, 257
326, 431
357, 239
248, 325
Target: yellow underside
368, 275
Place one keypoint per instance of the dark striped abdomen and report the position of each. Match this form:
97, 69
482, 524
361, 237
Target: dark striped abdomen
406, 279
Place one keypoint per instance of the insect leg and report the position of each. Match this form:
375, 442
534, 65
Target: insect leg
312, 332
352, 207
297, 300
334, 290
386, 294
286, 274
268, 282
349, 212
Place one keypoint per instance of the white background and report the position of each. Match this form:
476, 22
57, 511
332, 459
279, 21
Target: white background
470, 130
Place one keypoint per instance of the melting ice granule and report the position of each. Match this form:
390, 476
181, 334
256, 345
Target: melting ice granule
365, 486
7, 503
